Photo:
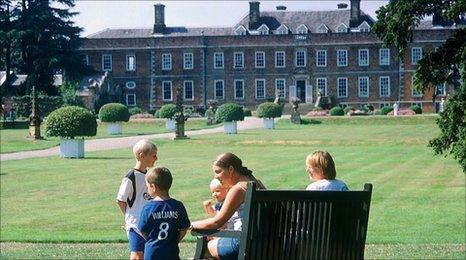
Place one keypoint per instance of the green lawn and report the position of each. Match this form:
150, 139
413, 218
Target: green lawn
417, 209
15, 140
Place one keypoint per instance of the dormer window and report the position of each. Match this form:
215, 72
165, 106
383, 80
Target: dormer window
263, 29
322, 29
283, 29
240, 30
342, 28
364, 27
302, 29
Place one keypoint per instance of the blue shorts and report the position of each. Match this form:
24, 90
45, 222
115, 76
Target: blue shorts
228, 248
136, 241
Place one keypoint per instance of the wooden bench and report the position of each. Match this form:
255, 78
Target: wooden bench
297, 224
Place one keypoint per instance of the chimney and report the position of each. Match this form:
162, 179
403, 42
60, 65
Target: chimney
342, 6
281, 8
159, 19
254, 15
355, 13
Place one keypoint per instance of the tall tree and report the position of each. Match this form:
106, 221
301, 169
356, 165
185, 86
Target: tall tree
49, 43
395, 25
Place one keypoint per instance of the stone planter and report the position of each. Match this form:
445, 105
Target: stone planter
230, 127
72, 148
269, 123
114, 128
170, 124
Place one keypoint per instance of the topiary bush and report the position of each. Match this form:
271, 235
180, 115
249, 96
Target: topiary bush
247, 111
167, 111
417, 109
385, 110
348, 109
337, 111
269, 110
114, 112
134, 111
229, 112
70, 122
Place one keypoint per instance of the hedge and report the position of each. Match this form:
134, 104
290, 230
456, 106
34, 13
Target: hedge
45, 105
247, 111
114, 112
337, 111
269, 110
229, 112
386, 109
167, 111
70, 122
417, 109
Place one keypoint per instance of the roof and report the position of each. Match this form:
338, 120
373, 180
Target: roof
19, 79
94, 81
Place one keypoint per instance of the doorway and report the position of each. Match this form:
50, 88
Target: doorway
301, 90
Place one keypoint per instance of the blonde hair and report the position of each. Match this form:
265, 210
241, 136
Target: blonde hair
143, 146
215, 184
324, 162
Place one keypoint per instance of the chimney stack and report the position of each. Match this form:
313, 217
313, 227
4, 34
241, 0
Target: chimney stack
159, 19
355, 13
281, 8
342, 6
254, 15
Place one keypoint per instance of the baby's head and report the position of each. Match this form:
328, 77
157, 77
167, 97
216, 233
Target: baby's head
145, 152
158, 181
320, 165
219, 192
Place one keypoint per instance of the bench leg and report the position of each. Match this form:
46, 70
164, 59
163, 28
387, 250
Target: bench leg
201, 246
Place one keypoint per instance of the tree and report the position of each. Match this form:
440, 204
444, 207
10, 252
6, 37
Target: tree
395, 24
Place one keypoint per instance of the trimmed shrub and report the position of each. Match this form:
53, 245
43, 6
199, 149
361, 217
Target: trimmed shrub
417, 109
337, 111
70, 122
247, 111
269, 110
348, 109
134, 111
385, 110
229, 112
167, 111
114, 112
157, 113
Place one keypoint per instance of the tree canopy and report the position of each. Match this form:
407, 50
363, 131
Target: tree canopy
395, 26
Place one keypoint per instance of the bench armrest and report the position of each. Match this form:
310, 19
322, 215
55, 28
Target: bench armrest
216, 233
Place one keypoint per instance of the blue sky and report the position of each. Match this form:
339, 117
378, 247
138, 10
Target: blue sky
98, 15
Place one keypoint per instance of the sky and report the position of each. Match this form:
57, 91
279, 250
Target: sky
95, 16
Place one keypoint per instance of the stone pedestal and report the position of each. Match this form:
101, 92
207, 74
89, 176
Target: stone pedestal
114, 128
295, 118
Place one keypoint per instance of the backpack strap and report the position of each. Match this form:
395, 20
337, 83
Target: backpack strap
132, 177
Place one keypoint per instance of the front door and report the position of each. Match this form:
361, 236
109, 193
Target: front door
301, 90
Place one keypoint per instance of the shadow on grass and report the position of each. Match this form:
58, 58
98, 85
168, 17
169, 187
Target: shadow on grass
106, 158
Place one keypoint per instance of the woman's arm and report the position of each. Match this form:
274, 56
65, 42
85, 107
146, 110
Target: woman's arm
233, 200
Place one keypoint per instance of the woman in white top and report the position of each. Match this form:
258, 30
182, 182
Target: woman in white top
229, 170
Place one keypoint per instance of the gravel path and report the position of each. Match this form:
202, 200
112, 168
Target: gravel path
124, 142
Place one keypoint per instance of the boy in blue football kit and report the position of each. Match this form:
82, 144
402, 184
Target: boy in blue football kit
164, 220
133, 195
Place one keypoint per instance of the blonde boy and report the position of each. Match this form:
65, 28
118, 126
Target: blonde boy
321, 169
133, 196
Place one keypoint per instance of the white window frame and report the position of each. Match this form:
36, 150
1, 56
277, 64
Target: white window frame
130, 85
166, 61
276, 59
263, 30
444, 87
346, 58
302, 29
234, 89
192, 90
322, 29
360, 94
127, 99
364, 27
255, 89
238, 54
86, 59
340, 30
414, 59
388, 86
186, 57
345, 79
317, 58
163, 90
381, 59
257, 60
281, 94
283, 29
360, 60
304, 58
221, 60
215, 89
240, 30
324, 93
129, 66
109, 56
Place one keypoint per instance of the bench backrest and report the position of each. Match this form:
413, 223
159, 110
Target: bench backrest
293, 224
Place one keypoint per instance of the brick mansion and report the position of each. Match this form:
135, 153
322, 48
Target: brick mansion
265, 54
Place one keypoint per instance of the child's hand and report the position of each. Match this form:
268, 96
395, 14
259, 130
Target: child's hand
207, 203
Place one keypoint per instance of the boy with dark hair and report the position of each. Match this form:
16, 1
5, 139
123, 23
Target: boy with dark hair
164, 220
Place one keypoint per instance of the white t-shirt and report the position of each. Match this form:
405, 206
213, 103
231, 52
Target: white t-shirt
125, 194
329, 185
